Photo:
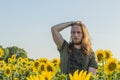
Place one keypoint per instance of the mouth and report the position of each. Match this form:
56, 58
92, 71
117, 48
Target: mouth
76, 38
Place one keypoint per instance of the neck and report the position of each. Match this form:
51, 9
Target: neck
77, 46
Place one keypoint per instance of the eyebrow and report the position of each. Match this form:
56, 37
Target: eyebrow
76, 31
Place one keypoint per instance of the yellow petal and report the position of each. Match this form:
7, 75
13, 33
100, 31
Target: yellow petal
75, 75
84, 75
80, 75
70, 76
88, 76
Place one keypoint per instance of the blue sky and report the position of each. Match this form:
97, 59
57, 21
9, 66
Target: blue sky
27, 24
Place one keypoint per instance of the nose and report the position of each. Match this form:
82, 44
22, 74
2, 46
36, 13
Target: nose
75, 34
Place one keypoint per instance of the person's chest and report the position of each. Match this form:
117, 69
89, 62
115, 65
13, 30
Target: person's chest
78, 57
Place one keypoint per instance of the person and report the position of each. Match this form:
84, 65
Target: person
78, 53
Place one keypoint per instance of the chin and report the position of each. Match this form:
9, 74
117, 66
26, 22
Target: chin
77, 43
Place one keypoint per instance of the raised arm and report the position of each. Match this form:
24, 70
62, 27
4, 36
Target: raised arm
57, 37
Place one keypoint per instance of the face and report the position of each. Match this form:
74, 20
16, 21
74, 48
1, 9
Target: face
76, 34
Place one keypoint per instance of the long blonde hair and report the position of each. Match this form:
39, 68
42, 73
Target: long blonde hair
85, 43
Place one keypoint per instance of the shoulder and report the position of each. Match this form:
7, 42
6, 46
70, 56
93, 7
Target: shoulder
64, 46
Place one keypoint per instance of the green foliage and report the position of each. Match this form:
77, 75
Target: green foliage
60, 76
9, 51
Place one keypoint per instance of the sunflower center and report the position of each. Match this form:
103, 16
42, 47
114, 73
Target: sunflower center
49, 68
19, 59
1, 66
36, 64
107, 55
46, 78
54, 61
13, 57
112, 66
42, 68
44, 61
100, 56
7, 71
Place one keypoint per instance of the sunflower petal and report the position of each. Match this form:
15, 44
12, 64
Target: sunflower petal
75, 75
84, 74
70, 76
80, 75
88, 76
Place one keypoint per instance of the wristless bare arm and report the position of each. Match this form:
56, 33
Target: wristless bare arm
57, 37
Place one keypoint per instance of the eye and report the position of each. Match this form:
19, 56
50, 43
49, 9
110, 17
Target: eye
78, 32
73, 32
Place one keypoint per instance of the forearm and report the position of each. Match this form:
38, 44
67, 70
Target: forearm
93, 70
61, 26
57, 37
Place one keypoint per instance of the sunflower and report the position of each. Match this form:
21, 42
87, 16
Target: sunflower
2, 65
10, 60
111, 65
19, 59
83, 75
42, 76
36, 64
1, 52
50, 67
100, 55
13, 58
33, 69
56, 62
108, 54
42, 67
34, 77
16, 68
7, 71
46, 75
43, 60
22, 62
22, 70
11, 66
26, 59
30, 63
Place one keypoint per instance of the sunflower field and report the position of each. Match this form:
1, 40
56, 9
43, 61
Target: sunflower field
24, 68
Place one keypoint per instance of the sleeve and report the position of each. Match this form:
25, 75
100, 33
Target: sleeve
63, 46
93, 62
